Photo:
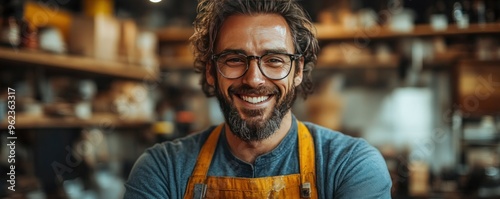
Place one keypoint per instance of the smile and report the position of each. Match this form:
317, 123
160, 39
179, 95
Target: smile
254, 100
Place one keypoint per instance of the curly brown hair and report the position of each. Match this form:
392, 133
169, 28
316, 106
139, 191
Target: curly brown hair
211, 16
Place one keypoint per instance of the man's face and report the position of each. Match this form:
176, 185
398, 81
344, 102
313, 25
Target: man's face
254, 105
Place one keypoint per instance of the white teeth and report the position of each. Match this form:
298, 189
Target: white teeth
254, 100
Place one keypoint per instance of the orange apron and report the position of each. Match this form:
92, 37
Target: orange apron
301, 185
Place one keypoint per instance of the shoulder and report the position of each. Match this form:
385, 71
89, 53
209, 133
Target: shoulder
333, 140
185, 146
343, 149
178, 150
163, 163
351, 165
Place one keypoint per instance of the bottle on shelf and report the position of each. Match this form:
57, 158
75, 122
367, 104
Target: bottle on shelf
479, 11
9, 35
497, 11
11, 13
490, 12
459, 15
438, 18
29, 35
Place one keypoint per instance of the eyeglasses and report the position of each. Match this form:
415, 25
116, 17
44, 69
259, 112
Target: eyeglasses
276, 66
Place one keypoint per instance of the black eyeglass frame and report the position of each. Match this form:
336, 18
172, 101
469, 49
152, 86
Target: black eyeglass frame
293, 57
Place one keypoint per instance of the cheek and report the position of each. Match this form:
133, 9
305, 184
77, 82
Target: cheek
285, 87
223, 86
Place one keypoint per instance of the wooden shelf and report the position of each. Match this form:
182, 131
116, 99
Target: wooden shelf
83, 64
494, 143
97, 120
176, 64
368, 62
175, 34
363, 66
325, 32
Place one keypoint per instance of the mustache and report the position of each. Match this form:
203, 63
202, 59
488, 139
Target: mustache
246, 89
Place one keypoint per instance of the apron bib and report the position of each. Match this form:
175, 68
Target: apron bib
301, 185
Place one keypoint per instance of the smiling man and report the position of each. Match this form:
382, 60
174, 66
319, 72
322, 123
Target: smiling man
256, 57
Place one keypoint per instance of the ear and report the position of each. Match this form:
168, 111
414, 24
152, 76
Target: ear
209, 76
298, 76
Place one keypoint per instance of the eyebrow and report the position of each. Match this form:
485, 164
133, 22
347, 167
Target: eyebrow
233, 51
241, 51
278, 50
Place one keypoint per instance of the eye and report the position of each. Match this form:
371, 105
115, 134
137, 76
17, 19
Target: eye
274, 60
233, 60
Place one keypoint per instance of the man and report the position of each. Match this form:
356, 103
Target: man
256, 57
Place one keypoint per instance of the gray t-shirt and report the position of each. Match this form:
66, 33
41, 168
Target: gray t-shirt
346, 167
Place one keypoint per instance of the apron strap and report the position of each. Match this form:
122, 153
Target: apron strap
307, 162
206, 153
196, 186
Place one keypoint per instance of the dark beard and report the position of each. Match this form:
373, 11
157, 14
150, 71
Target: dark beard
255, 129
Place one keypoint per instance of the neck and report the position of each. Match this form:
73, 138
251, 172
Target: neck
248, 151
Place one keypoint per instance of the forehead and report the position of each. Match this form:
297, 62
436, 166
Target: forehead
255, 33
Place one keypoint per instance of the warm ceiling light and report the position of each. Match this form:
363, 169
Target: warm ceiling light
155, 1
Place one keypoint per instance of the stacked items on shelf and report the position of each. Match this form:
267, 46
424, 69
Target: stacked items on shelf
92, 46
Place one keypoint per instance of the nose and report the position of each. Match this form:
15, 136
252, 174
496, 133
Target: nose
254, 77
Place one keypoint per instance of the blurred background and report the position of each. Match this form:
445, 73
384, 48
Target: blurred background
98, 81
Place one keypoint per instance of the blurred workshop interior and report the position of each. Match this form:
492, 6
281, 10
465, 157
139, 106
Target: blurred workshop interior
98, 81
